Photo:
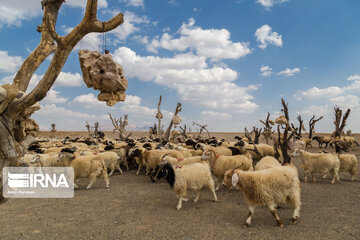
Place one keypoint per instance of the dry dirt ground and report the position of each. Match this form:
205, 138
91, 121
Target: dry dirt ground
135, 208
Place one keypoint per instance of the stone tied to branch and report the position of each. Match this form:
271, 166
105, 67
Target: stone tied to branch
102, 73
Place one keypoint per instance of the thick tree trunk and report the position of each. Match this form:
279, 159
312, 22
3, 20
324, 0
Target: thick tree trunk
10, 150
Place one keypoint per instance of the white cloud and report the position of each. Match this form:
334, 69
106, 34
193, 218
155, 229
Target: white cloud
266, 71
89, 101
190, 76
215, 115
69, 80
53, 96
269, 3
9, 64
82, 3
13, 12
323, 110
354, 77
347, 101
131, 20
332, 91
64, 119
265, 36
316, 92
13, 15
210, 43
134, 3
289, 72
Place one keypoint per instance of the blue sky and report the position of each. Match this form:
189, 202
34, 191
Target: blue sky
228, 62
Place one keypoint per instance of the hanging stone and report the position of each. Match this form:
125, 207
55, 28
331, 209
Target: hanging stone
102, 73
176, 120
159, 115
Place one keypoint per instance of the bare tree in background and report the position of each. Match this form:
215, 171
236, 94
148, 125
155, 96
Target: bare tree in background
312, 123
17, 130
159, 116
185, 132
339, 129
202, 128
168, 130
267, 133
120, 125
285, 136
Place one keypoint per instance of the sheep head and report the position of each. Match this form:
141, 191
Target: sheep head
209, 155
231, 178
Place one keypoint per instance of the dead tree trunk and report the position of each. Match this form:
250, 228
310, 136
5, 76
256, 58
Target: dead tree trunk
267, 133
300, 128
120, 125
339, 129
257, 133
184, 133
16, 127
159, 116
202, 128
312, 125
168, 130
283, 138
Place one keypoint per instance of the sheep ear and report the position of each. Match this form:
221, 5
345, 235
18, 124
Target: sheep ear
234, 179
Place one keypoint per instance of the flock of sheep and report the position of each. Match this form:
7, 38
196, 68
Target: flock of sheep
195, 164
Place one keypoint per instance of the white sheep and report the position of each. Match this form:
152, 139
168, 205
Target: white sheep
319, 163
47, 160
112, 161
220, 164
194, 176
269, 187
348, 163
267, 162
85, 167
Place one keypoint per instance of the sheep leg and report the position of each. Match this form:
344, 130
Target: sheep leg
92, 180
139, 168
314, 178
198, 196
112, 171
294, 200
181, 198
335, 175
273, 212
75, 185
106, 178
353, 173
248, 219
305, 176
121, 171
218, 183
212, 188
126, 165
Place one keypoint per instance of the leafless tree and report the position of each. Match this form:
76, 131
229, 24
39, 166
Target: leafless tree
267, 132
339, 129
168, 130
120, 125
300, 128
257, 133
185, 132
312, 122
202, 128
17, 130
159, 116
285, 136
